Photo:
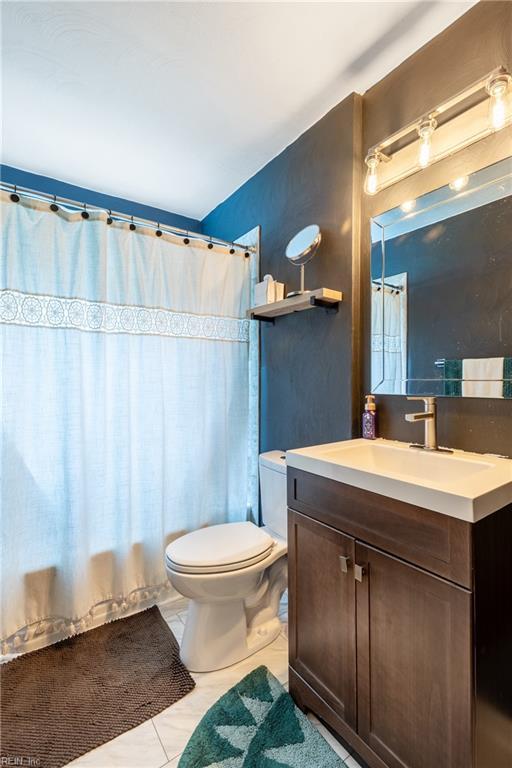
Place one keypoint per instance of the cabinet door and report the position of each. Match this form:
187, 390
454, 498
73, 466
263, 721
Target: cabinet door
322, 611
414, 664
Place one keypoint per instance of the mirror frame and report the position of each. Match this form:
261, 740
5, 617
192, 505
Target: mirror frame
309, 252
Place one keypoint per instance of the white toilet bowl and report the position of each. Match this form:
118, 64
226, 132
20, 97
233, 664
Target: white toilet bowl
234, 575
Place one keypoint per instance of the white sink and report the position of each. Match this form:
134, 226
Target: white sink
464, 485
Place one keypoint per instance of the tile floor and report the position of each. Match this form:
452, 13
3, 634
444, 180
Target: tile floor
159, 742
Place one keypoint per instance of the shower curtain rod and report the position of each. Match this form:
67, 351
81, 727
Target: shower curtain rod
17, 192
392, 287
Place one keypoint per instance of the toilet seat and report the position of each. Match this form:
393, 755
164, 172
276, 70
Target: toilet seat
219, 549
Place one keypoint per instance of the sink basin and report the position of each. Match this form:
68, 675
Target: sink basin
406, 462
464, 485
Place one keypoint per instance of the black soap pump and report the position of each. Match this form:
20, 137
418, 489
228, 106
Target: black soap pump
370, 418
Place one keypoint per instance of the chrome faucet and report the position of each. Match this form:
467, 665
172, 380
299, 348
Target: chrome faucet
429, 417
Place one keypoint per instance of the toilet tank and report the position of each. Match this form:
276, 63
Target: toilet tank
273, 492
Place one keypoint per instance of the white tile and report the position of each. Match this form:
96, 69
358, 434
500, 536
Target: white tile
171, 608
171, 613
176, 724
333, 743
133, 749
273, 656
351, 763
178, 602
283, 679
177, 627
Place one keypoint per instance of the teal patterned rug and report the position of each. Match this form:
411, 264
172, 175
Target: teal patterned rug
257, 725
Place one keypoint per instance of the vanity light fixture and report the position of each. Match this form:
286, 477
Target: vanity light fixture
479, 110
408, 206
497, 88
457, 184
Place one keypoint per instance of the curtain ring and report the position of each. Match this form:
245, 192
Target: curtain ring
85, 214
186, 240
14, 196
109, 218
210, 244
54, 207
232, 249
132, 226
158, 232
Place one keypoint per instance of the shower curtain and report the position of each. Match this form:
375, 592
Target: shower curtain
128, 412
389, 336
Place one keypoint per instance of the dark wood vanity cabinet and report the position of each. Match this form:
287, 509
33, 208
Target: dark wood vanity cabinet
400, 624
414, 664
323, 643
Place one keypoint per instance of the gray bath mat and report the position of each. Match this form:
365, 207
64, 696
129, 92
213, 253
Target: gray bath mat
62, 701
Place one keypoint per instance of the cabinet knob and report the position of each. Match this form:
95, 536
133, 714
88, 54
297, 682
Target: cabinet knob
359, 572
344, 563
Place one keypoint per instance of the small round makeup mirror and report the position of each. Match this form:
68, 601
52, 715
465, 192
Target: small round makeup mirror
301, 249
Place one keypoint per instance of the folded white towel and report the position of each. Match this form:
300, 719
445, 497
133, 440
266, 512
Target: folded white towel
482, 377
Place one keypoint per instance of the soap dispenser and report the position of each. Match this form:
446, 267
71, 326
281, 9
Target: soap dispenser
370, 418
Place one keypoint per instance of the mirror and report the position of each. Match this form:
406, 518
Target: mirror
301, 249
441, 290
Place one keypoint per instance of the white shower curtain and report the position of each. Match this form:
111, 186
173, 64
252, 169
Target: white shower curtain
389, 336
126, 414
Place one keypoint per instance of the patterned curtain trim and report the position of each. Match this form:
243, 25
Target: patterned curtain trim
387, 343
36, 310
51, 629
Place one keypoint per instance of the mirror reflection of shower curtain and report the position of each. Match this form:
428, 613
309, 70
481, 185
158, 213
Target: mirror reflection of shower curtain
128, 413
389, 336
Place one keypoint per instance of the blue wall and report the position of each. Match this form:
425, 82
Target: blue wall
89, 196
307, 371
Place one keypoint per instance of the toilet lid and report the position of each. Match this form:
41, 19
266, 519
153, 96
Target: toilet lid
219, 548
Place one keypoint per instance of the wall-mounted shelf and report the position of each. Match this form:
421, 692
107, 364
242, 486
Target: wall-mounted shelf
320, 297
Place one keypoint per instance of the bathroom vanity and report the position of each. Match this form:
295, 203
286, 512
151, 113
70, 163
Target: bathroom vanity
400, 601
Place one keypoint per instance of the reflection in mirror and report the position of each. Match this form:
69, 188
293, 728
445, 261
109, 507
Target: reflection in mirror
441, 290
389, 334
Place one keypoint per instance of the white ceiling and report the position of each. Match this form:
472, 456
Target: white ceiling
177, 104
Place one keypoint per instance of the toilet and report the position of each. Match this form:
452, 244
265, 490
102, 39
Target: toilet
234, 575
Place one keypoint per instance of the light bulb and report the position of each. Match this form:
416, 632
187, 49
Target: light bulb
408, 206
497, 89
425, 150
457, 184
425, 131
371, 181
498, 111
